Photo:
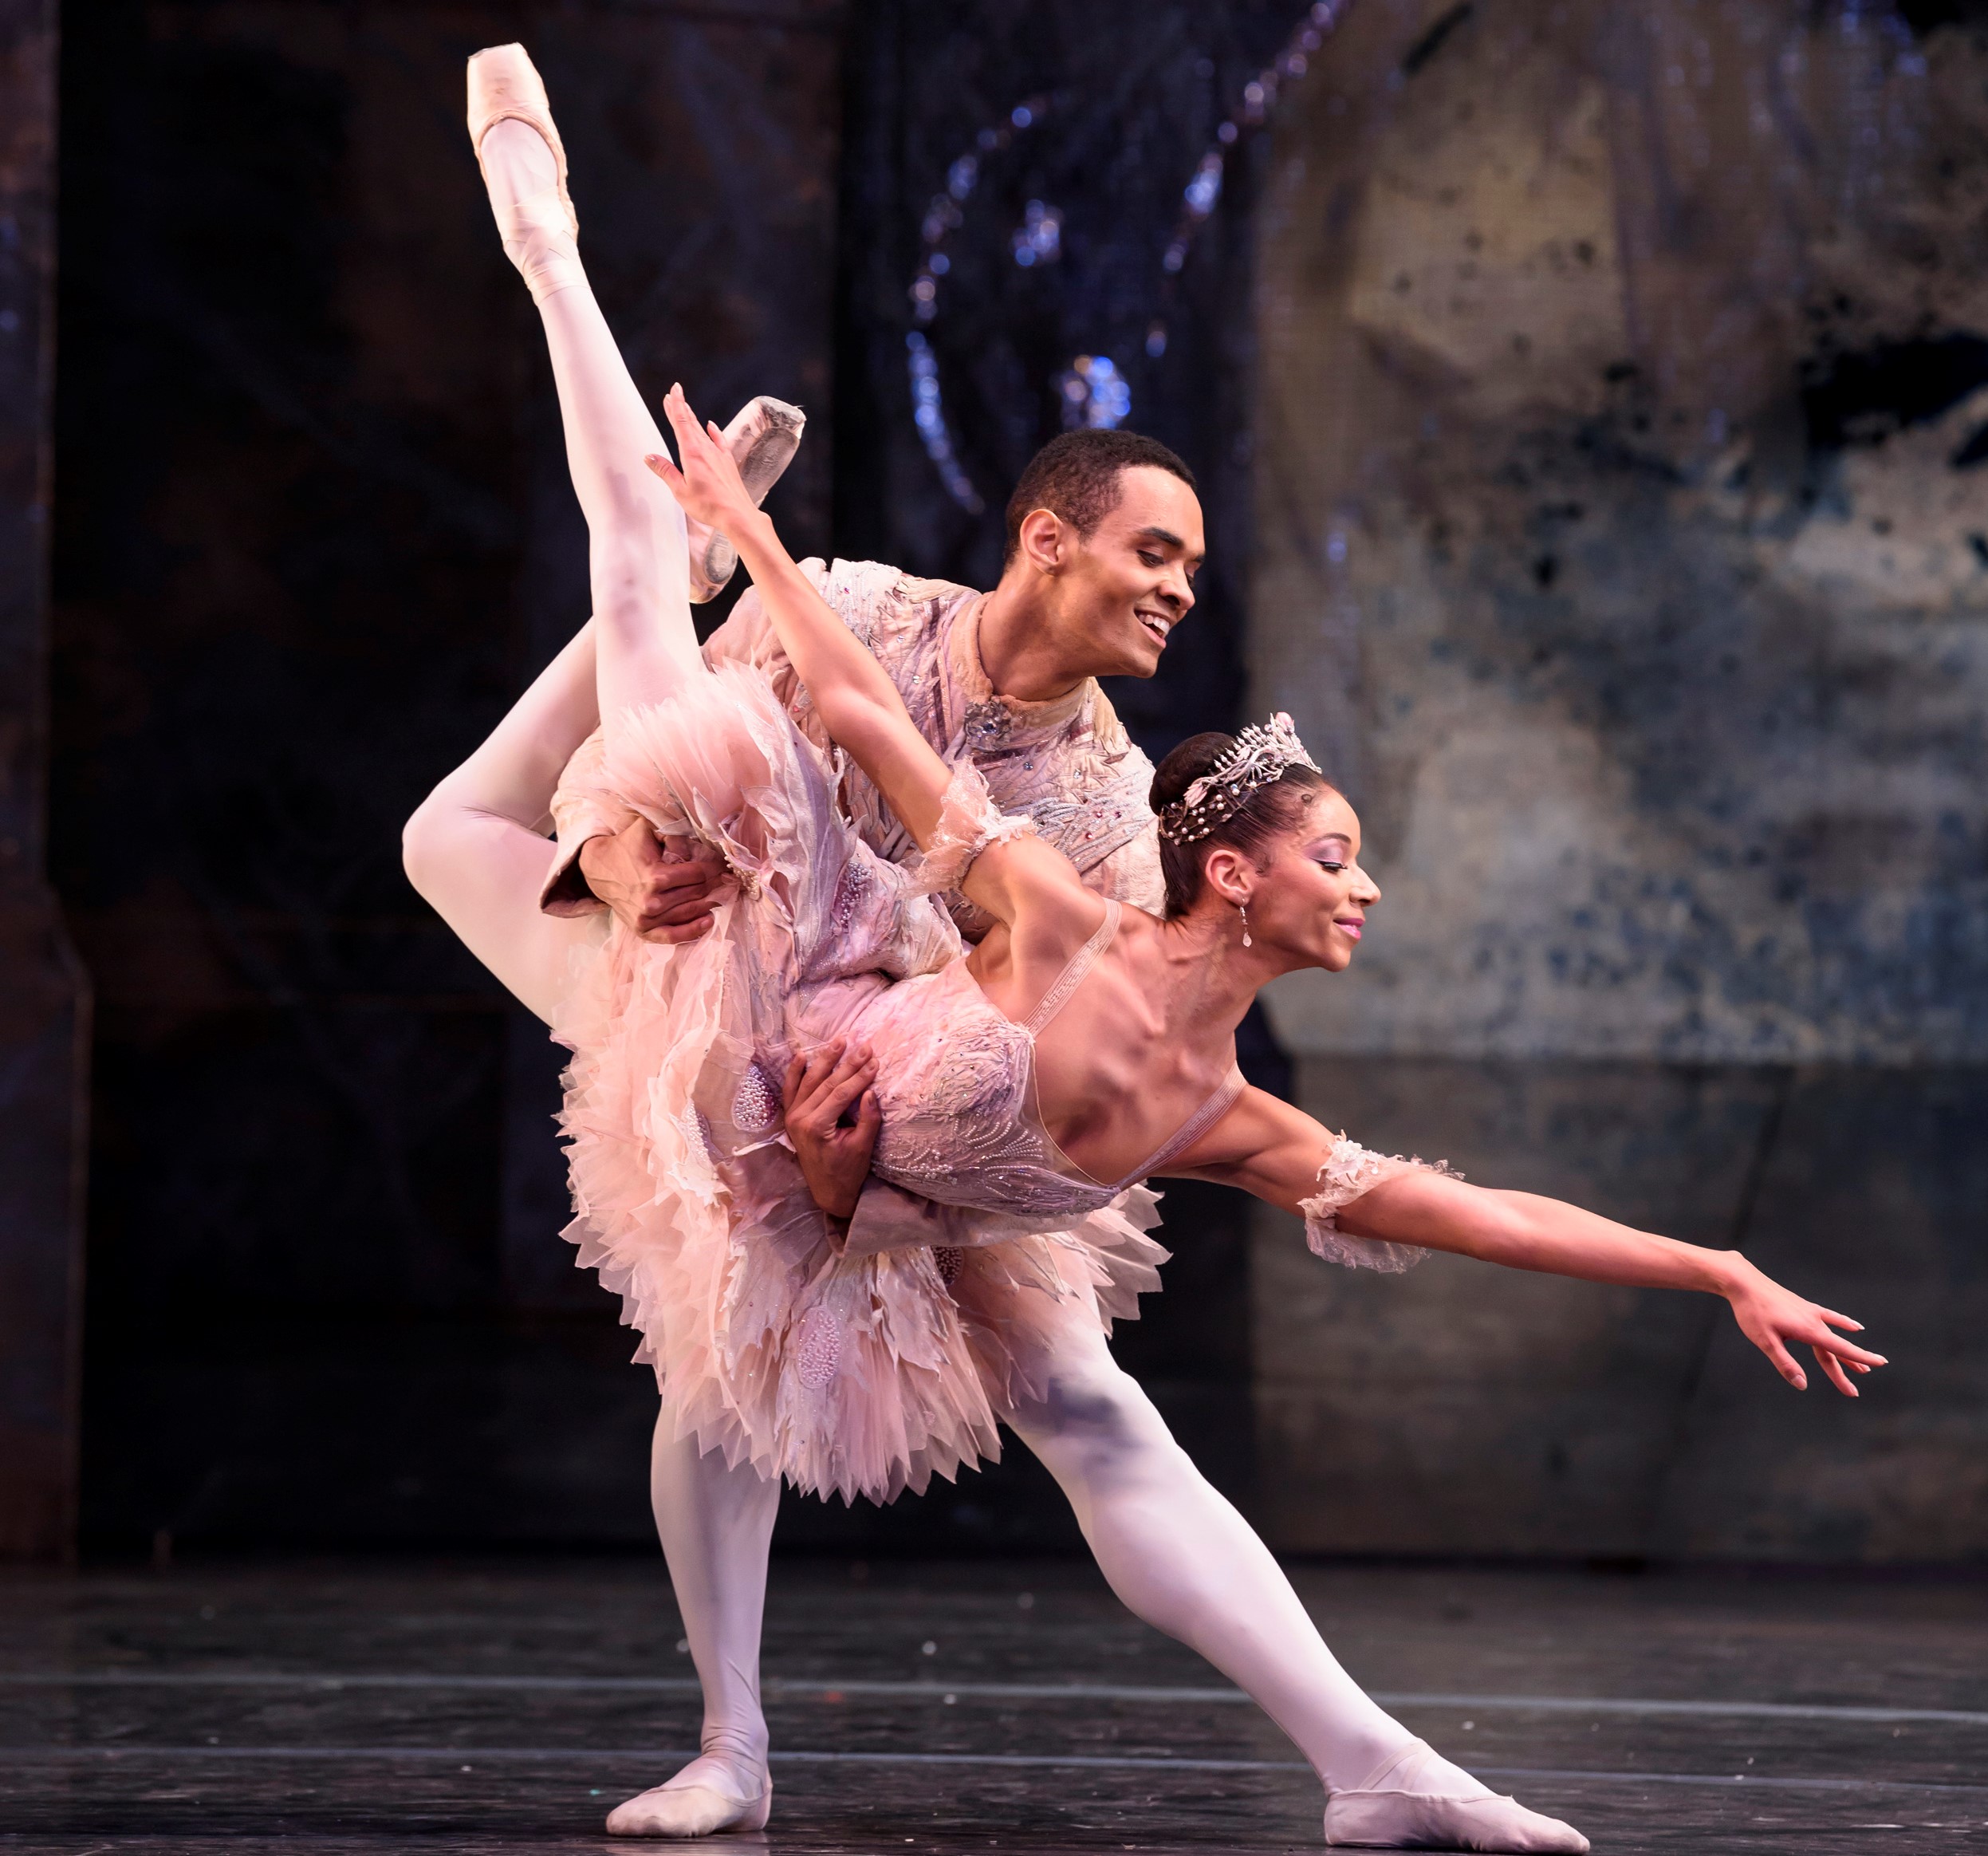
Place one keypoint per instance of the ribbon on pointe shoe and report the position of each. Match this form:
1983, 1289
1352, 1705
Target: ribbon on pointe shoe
536, 240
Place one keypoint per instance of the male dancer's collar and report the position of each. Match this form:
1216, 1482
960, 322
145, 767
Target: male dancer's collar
980, 715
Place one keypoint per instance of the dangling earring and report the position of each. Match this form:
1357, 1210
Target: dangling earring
1242, 909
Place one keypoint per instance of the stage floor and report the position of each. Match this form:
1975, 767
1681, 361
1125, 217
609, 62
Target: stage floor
481, 1707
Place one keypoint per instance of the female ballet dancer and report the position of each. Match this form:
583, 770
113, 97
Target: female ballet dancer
1082, 1047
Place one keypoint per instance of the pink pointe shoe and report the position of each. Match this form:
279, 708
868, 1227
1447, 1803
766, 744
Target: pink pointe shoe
505, 86
541, 234
762, 438
690, 1811
1381, 1816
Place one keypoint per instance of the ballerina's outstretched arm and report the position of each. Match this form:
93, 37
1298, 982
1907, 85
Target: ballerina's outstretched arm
1279, 1152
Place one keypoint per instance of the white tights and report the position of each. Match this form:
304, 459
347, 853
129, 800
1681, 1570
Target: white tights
1181, 1557
1174, 1551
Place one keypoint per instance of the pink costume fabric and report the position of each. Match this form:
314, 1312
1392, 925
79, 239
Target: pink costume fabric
1066, 764
848, 1369
866, 1367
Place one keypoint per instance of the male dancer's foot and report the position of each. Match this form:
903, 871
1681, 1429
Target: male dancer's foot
1420, 1800
703, 1800
715, 1522
524, 165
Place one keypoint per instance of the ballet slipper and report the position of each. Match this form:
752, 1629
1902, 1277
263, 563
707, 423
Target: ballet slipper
762, 439
1414, 1802
541, 232
690, 1811
1416, 1820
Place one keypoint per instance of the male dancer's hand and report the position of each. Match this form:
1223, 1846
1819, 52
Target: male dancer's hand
664, 894
831, 1120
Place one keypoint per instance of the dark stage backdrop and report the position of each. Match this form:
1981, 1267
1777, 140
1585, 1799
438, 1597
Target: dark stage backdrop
1613, 383
313, 533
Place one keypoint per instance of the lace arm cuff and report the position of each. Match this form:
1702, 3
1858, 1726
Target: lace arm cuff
1353, 1171
968, 823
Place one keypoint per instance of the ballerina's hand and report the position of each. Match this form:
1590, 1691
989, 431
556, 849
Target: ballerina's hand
708, 485
1775, 1318
833, 1146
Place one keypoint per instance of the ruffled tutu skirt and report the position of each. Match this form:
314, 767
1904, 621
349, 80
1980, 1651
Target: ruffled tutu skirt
849, 1374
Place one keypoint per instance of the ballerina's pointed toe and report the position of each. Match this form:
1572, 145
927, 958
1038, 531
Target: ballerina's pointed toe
690, 1811
762, 439
1413, 1820
505, 86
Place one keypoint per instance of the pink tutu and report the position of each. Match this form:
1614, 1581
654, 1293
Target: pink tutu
845, 1372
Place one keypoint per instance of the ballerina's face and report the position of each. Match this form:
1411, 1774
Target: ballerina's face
1124, 588
1310, 904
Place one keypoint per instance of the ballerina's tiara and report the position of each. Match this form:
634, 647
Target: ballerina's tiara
1261, 753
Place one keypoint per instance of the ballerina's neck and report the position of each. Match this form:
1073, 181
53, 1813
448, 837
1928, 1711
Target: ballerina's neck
1200, 977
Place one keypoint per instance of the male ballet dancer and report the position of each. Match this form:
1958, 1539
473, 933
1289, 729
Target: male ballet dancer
1104, 535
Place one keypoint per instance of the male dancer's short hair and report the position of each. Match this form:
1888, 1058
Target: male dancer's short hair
1075, 476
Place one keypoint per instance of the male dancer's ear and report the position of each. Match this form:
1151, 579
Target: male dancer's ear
663, 893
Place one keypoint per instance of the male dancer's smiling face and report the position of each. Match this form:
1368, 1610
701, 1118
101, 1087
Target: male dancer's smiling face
1120, 590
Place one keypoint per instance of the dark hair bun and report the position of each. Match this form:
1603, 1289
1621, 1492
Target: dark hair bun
1187, 762
1250, 823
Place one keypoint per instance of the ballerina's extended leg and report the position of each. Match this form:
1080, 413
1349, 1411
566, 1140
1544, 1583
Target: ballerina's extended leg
525, 170
473, 850
638, 556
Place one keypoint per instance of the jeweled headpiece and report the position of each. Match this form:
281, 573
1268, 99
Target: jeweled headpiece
1260, 756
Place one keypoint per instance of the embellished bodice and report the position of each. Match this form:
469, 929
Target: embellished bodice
961, 1123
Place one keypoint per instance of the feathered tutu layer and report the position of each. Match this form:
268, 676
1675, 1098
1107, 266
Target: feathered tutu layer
850, 1374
